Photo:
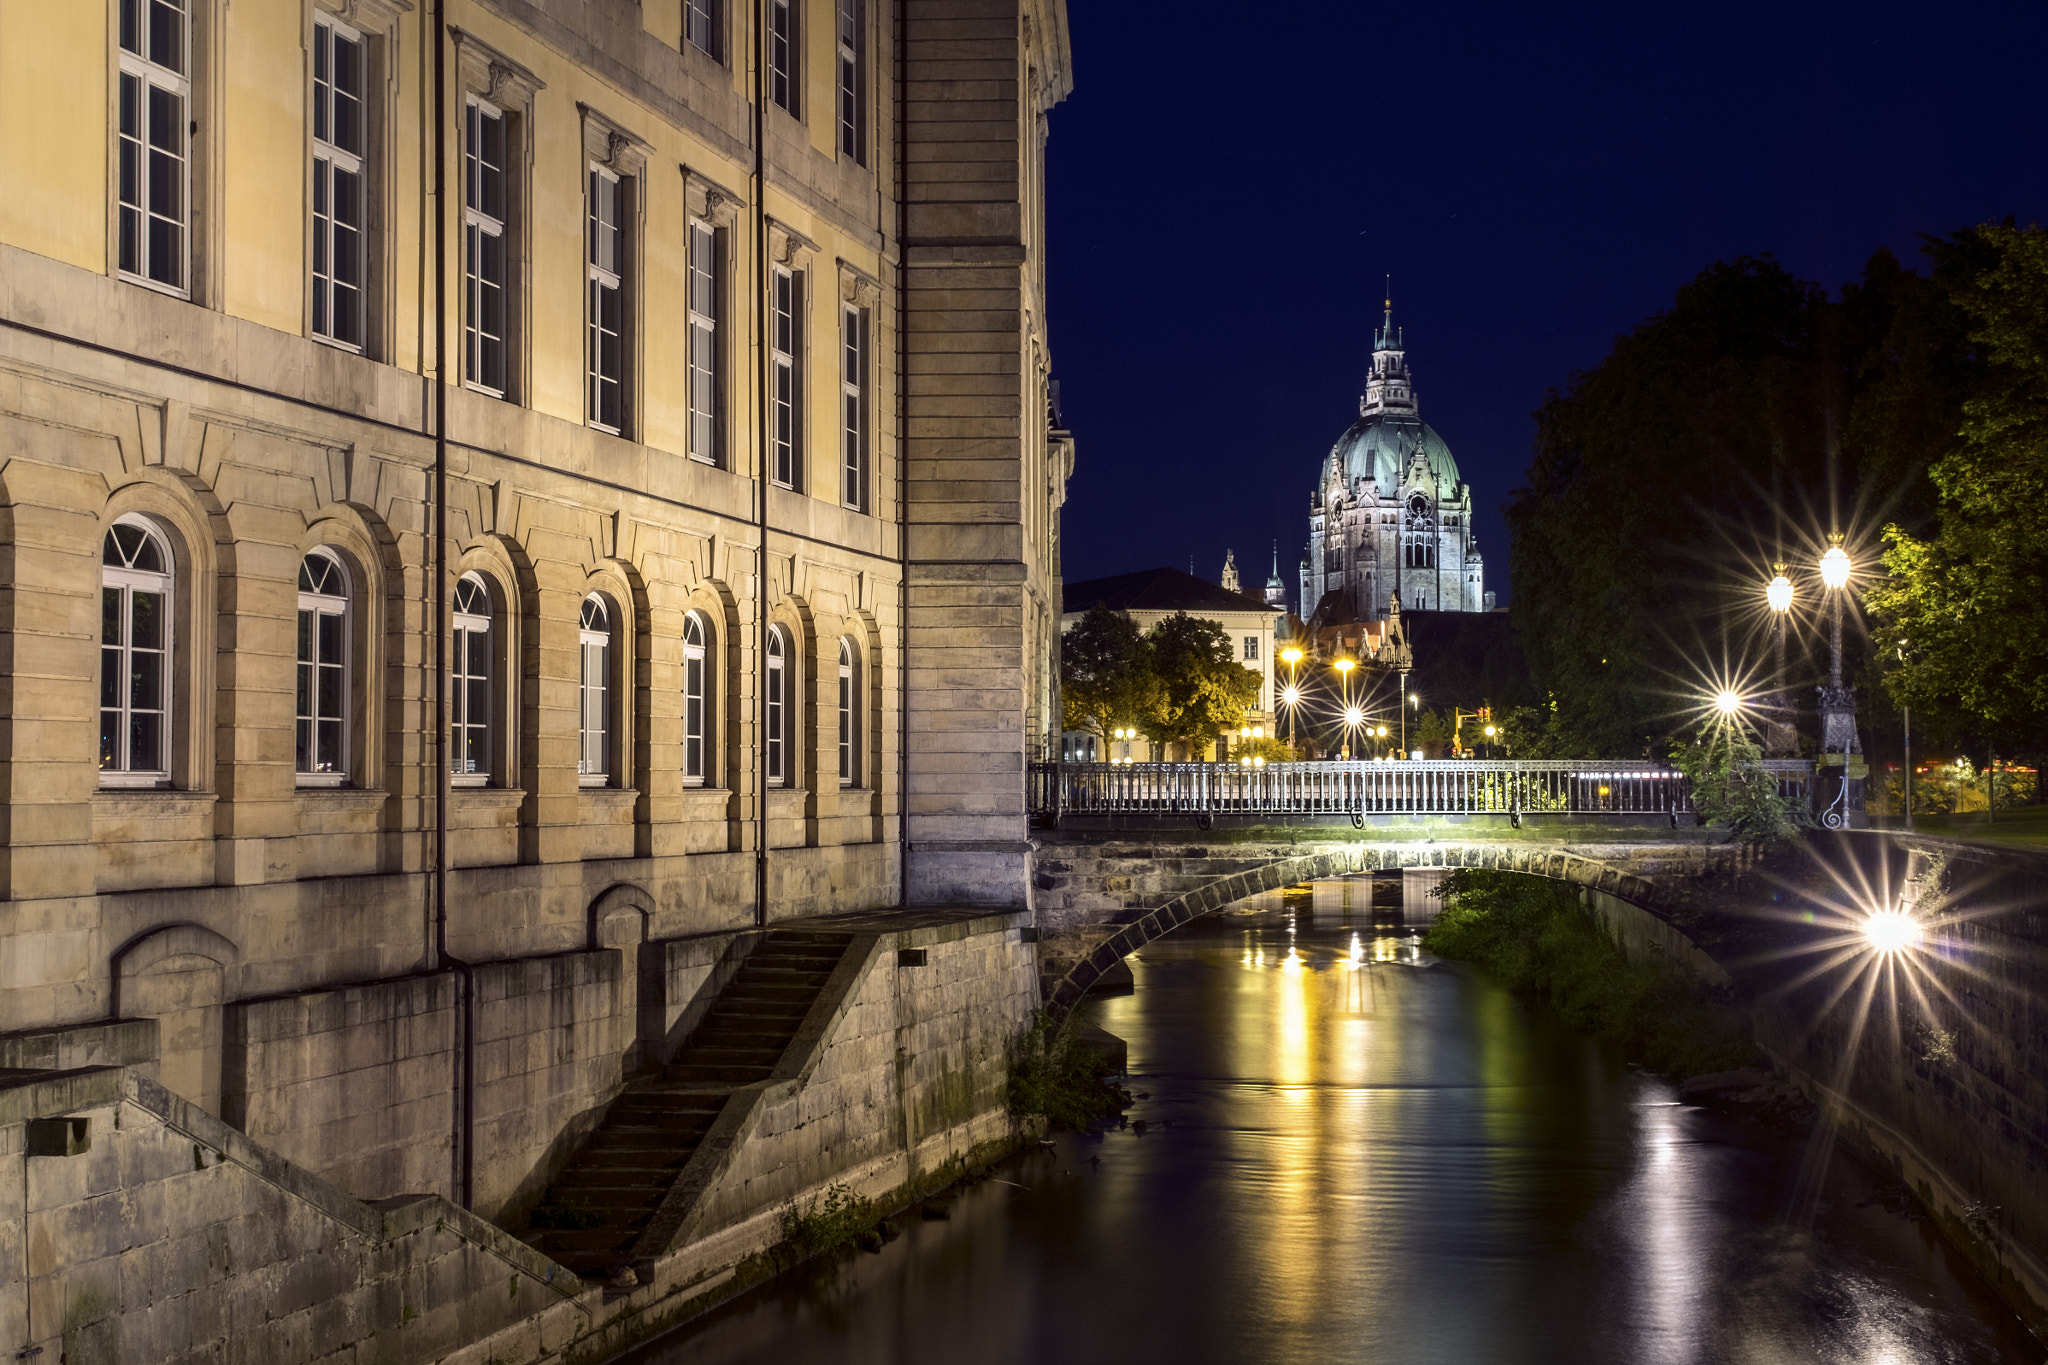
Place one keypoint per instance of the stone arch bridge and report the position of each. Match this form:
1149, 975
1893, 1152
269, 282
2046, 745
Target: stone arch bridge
1100, 898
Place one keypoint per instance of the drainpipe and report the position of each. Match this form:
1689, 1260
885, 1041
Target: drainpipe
902, 470
465, 1126
760, 452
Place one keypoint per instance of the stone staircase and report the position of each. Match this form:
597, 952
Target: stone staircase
625, 1168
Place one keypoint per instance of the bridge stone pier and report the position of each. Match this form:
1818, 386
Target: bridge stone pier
1100, 897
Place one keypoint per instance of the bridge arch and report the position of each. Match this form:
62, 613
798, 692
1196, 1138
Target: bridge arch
1137, 928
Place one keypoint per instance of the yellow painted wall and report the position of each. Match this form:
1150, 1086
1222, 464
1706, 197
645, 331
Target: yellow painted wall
54, 112
265, 155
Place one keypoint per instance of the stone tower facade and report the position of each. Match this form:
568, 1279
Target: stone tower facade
1389, 515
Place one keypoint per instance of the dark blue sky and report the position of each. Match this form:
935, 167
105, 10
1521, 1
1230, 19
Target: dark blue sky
1229, 183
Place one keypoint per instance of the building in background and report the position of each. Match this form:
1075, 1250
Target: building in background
1389, 515
1151, 596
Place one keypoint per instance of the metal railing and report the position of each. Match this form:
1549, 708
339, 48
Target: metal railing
1358, 788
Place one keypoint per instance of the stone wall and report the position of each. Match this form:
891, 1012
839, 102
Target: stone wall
909, 1057
173, 1238
549, 1036
357, 1086
1945, 1072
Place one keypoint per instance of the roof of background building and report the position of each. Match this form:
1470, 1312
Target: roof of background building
1379, 446
1157, 590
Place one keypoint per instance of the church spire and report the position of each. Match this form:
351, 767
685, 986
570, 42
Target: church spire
1388, 387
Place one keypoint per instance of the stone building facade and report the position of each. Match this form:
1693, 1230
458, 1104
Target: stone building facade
527, 482
1389, 517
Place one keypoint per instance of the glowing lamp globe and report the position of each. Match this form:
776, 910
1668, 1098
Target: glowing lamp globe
1354, 716
1346, 665
1728, 703
1891, 931
1291, 696
1834, 566
1779, 593
1291, 655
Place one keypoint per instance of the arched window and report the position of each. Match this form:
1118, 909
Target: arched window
323, 681
849, 716
594, 695
775, 758
135, 655
469, 740
696, 708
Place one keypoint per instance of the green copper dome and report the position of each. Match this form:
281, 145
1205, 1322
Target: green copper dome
1380, 445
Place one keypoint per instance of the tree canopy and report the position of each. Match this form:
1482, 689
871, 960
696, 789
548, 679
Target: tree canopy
1179, 683
1962, 618
1727, 433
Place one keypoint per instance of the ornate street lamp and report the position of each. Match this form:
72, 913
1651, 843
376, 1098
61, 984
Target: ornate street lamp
1292, 696
1841, 758
1783, 742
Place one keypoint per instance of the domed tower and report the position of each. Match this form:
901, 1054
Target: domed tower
1389, 514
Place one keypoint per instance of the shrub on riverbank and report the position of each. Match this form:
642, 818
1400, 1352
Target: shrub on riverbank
1534, 936
1054, 1076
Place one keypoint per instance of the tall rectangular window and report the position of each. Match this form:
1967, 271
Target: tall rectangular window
485, 276
703, 21
705, 368
606, 250
852, 81
776, 683
338, 143
784, 295
783, 85
854, 407
155, 147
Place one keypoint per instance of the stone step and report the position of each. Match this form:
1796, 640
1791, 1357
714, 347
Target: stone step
714, 1074
723, 1054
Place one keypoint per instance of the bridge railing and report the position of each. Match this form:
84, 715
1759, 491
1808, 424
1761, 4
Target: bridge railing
1360, 788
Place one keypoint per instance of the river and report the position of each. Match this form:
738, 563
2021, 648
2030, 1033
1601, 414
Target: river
1355, 1153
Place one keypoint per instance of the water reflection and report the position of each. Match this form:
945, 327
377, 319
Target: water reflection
1355, 1154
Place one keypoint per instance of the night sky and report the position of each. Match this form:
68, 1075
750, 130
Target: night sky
1229, 185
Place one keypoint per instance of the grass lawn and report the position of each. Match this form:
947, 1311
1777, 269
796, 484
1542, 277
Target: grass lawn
2021, 827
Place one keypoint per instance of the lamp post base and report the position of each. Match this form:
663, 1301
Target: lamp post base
1838, 791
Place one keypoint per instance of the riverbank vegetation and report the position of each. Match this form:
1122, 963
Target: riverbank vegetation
1053, 1076
1533, 936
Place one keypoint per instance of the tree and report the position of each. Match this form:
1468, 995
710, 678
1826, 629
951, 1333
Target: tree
1716, 438
1962, 617
1203, 688
1106, 673
1731, 790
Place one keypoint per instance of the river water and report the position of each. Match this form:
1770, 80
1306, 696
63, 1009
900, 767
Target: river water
1355, 1153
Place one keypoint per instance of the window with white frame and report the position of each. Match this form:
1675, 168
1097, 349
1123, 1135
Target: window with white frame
339, 139
785, 288
155, 147
696, 703
706, 369
852, 81
854, 407
323, 669
784, 85
594, 695
606, 252
775, 743
849, 715
135, 656
703, 25
1251, 648
469, 749
485, 255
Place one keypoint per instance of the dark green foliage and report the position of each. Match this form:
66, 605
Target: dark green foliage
1730, 791
1732, 431
1204, 689
1962, 619
1106, 675
1070, 1085
829, 1221
1534, 936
